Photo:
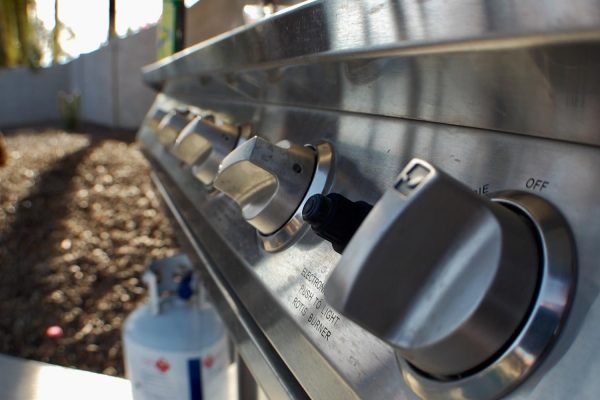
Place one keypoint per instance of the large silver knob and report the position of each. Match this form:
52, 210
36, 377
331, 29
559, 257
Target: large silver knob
202, 145
267, 181
445, 276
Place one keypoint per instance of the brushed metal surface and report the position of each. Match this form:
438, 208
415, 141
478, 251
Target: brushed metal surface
333, 358
528, 67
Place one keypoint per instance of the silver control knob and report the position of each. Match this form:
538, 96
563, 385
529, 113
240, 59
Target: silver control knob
202, 145
445, 276
170, 126
267, 181
156, 117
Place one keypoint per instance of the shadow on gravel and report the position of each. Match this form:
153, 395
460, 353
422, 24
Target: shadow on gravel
72, 251
27, 240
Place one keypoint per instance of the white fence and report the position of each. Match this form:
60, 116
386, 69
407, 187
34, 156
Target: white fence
109, 81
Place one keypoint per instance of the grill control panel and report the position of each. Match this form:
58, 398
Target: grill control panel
452, 279
270, 183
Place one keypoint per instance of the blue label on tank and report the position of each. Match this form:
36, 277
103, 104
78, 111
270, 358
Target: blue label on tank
195, 378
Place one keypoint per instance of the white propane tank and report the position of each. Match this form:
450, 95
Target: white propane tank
175, 346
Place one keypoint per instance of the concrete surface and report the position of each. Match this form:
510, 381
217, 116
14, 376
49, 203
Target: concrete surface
25, 379
22, 379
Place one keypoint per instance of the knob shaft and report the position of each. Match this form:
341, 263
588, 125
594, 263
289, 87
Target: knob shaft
334, 217
267, 181
445, 276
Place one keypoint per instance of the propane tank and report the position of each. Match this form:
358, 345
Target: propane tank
175, 345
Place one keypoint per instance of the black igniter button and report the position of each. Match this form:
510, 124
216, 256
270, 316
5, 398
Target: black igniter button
334, 217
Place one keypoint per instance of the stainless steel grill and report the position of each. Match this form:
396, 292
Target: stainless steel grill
475, 273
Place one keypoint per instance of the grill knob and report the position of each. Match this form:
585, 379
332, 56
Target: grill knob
170, 125
267, 181
445, 276
202, 145
156, 117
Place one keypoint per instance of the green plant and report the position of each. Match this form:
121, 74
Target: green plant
69, 105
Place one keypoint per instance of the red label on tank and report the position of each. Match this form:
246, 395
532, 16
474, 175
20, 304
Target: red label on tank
209, 361
162, 365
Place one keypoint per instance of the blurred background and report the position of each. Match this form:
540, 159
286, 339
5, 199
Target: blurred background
79, 218
61, 59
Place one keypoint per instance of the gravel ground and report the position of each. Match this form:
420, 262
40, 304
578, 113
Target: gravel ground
79, 222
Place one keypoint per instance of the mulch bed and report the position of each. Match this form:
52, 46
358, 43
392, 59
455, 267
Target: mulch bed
79, 222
